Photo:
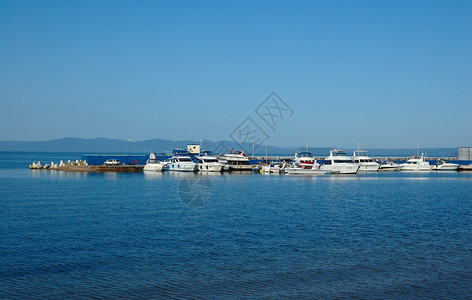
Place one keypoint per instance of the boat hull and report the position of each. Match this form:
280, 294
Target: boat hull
240, 168
389, 168
153, 167
447, 168
301, 171
340, 168
183, 167
407, 168
207, 167
368, 167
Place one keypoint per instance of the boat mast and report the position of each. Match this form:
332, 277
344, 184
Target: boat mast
265, 143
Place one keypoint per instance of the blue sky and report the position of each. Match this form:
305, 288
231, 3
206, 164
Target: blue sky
386, 74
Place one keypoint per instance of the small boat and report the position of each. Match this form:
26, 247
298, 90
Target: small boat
296, 168
237, 161
389, 166
272, 168
442, 165
182, 162
416, 163
339, 162
153, 164
209, 163
364, 162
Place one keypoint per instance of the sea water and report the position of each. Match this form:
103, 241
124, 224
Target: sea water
153, 235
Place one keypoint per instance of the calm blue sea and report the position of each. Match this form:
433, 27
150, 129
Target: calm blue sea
383, 235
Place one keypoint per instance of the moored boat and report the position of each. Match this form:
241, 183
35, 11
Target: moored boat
339, 162
442, 165
389, 166
209, 163
182, 162
153, 164
237, 161
416, 163
296, 169
364, 162
274, 167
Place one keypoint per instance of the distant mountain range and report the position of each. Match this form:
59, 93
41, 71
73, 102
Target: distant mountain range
104, 145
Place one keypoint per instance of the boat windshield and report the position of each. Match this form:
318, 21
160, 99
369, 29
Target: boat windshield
339, 153
208, 160
206, 153
184, 159
305, 154
338, 161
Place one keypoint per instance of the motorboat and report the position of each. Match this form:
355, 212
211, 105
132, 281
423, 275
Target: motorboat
339, 162
365, 163
275, 167
389, 166
182, 162
305, 160
296, 168
153, 164
416, 163
237, 161
442, 165
209, 163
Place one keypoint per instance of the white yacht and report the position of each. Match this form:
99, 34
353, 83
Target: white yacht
442, 165
295, 168
339, 162
209, 163
237, 161
182, 162
416, 163
153, 164
389, 166
364, 162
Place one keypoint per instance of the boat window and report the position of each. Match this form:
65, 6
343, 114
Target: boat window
305, 154
342, 161
328, 162
184, 159
210, 160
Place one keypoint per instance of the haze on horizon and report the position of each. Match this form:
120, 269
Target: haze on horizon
386, 74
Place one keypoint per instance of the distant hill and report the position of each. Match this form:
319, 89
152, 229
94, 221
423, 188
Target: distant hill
104, 145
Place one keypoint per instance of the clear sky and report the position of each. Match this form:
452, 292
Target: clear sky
387, 74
